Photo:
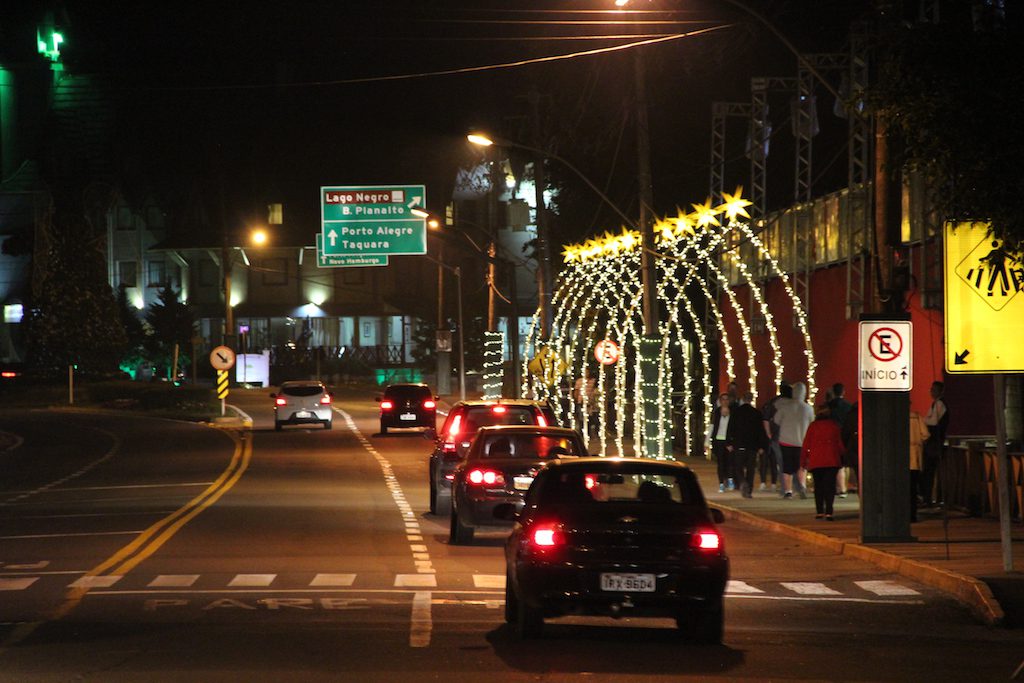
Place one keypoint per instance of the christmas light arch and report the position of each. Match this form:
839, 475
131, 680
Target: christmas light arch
599, 295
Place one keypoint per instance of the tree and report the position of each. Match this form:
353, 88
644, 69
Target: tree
172, 322
74, 317
953, 94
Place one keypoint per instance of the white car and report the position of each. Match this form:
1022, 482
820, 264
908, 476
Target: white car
303, 402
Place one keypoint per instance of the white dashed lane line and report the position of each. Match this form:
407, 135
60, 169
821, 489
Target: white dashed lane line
420, 624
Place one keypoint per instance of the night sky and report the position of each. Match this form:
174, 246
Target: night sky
247, 96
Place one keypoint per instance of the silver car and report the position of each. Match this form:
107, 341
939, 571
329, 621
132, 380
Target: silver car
302, 402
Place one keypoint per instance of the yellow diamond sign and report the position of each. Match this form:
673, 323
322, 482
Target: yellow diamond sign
984, 302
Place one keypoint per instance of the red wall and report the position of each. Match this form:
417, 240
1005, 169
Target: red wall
834, 341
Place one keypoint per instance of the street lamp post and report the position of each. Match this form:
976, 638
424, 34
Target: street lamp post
457, 272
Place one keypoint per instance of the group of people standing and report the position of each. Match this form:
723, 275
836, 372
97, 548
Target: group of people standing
790, 439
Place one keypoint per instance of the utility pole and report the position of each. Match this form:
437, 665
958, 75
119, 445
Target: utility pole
545, 278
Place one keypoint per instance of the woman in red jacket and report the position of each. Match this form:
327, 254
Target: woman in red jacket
822, 454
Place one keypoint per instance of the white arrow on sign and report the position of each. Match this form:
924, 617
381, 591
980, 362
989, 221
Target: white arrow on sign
333, 236
415, 202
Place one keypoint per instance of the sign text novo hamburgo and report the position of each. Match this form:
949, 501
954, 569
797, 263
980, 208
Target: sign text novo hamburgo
885, 356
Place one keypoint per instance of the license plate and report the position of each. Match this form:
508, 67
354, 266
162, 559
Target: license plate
302, 413
522, 483
407, 416
631, 583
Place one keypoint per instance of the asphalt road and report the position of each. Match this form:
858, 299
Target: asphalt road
142, 549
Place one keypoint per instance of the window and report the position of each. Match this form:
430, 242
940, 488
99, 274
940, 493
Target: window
157, 274
127, 273
275, 271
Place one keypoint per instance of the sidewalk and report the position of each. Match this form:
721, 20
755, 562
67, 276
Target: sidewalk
970, 566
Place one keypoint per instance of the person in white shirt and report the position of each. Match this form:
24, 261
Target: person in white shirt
721, 442
793, 416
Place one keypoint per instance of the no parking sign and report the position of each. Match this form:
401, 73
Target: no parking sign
885, 357
606, 352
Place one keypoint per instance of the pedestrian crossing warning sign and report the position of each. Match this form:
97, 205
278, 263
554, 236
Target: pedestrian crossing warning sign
984, 302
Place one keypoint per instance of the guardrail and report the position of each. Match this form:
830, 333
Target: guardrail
968, 472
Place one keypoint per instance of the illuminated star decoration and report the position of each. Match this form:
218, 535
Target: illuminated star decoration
705, 215
735, 205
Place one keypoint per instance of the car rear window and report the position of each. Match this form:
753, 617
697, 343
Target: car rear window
302, 391
622, 486
529, 446
408, 392
486, 416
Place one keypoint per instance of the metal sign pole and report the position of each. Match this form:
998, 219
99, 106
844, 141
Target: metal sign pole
1003, 475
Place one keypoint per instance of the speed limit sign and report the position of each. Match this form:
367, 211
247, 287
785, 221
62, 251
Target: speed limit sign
606, 352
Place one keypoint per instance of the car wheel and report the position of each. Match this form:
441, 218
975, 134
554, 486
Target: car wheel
328, 424
459, 533
511, 604
444, 503
277, 426
433, 495
704, 624
383, 428
529, 622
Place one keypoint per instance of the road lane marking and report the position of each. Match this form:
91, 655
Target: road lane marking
415, 581
30, 565
84, 533
132, 486
174, 581
17, 584
741, 587
422, 623
825, 598
95, 582
890, 588
426, 575
333, 580
808, 588
489, 580
74, 475
252, 580
77, 515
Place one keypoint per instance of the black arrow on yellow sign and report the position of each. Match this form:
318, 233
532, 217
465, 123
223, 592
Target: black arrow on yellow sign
961, 358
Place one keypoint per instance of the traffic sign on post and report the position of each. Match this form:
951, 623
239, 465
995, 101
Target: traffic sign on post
885, 356
984, 302
606, 352
372, 220
222, 358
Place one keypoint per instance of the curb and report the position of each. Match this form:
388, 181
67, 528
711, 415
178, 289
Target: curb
967, 590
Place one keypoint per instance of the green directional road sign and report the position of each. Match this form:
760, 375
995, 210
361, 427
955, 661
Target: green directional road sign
372, 220
346, 260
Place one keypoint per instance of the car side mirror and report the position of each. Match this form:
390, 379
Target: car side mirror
506, 512
717, 515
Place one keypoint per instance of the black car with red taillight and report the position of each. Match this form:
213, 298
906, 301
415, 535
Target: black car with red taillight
617, 537
407, 405
499, 467
461, 425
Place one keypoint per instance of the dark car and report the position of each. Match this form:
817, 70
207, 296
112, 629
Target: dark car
302, 402
615, 537
455, 437
499, 467
407, 405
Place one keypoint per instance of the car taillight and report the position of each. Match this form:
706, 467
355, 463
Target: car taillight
541, 421
453, 428
386, 405
429, 405
707, 540
546, 536
499, 410
589, 481
485, 477
325, 399
7, 374
280, 401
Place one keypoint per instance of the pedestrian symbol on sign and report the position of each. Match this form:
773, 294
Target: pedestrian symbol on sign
991, 273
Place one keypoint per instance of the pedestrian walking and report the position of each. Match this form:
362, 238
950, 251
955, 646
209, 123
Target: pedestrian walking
851, 439
771, 459
918, 437
793, 416
748, 441
839, 408
721, 442
822, 454
937, 421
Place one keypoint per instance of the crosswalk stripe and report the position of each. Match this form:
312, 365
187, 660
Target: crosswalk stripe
174, 581
888, 588
323, 580
18, 584
741, 587
95, 581
252, 580
809, 588
489, 580
415, 581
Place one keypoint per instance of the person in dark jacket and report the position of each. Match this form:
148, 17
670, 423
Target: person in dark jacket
822, 454
748, 440
721, 442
